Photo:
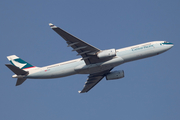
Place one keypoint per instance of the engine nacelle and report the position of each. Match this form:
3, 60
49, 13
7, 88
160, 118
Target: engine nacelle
115, 75
107, 53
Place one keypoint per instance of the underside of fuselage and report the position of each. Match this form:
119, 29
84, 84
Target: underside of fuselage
79, 67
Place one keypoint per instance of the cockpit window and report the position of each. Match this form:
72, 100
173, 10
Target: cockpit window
165, 43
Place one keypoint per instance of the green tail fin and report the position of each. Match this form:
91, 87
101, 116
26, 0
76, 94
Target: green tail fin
18, 62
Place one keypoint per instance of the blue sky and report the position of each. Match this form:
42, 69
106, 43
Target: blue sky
150, 89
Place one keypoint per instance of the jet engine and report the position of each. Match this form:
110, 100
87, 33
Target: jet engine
107, 53
115, 75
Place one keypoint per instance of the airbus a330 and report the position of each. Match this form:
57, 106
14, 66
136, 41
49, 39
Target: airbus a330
95, 62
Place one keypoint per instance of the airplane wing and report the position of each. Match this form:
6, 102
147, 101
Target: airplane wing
87, 51
91, 82
93, 79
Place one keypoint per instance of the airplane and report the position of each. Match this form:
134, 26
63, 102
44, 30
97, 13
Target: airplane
95, 62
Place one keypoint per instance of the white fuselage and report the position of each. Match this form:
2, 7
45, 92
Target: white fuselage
78, 66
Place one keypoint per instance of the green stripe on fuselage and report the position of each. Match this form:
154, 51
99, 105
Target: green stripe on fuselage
167, 43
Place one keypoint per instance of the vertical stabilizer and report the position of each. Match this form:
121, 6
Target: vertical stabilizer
19, 67
18, 62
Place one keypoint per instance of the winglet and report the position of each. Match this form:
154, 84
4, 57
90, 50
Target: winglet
52, 26
81, 92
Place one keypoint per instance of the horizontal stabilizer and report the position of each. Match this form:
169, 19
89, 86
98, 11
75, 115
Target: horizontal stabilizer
20, 81
16, 70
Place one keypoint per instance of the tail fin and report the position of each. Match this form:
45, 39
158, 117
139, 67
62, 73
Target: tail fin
18, 62
17, 66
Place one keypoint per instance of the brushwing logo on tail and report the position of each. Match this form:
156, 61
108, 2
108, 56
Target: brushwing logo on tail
20, 65
18, 62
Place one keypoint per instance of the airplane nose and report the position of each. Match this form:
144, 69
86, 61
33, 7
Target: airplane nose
164, 47
169, 46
